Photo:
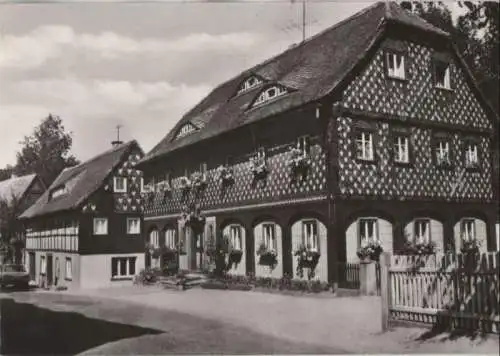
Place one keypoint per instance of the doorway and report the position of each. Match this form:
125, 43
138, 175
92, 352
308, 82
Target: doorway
31, 265
50, 270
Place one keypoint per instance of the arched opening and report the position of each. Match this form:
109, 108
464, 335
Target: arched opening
234, 235
268, 248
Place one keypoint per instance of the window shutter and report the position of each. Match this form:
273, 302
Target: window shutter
258, 235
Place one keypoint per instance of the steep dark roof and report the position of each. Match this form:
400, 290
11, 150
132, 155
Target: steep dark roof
15, 187
81, 181
310, 70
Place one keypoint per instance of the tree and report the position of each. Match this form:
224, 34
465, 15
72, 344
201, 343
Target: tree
47, 151
11, 234
475, 35
6, 173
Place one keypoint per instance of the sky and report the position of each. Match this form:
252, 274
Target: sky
140, 65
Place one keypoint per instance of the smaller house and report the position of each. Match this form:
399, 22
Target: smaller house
85, 231
16, 195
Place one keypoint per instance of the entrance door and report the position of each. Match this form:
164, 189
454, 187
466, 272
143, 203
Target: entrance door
31, 265
50, 270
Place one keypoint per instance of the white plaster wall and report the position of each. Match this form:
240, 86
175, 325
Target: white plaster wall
265, 271
95, 270
61, 281
351, 242
240, 269
322, 267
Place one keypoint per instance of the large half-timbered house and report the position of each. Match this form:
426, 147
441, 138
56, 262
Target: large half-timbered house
372, 129
86, 230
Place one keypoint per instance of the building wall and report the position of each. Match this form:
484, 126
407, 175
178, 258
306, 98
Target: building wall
74, 282
96, 270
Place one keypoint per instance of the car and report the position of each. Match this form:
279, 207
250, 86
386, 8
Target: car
14, 275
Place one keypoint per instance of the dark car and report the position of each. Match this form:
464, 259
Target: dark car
14, 275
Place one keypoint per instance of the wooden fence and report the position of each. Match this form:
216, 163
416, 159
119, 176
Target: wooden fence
348, 275
446, 291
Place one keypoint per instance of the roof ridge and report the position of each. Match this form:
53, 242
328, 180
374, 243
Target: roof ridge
109, 151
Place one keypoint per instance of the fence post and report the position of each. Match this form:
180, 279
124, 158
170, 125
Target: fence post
385, 288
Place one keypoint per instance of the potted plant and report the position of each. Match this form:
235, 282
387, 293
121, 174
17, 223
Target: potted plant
234, 255
267, 256
420, 248
298, 162
198, 180
370, 250
307, 258
225, 175
258, 167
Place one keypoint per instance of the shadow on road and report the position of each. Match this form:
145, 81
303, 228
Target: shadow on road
28, 329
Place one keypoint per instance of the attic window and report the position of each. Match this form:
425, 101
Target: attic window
248, 84
57, 192
442, 74
395, 64
185, 130
270, 94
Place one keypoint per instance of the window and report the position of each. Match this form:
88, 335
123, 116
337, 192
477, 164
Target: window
364, 146
235, 237
310, 235
100, 226
468, 229
142, 185
122, 267
442, 152
368, 229
170, 238
69, 269
43, 265
421, 231
471, 155
395, 65
154, 239
133, 226
185, 130
269, 236
303, 144
57, 192
401, 149
203, 168
269, 94
442, 74
261, 153
120, 185
250, 83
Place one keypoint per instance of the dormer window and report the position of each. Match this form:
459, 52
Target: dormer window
270, 94
395, 63
185, 130
442, 74
57, 192
250, 83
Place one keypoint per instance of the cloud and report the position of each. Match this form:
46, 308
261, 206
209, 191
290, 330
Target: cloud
51, 41
92, 108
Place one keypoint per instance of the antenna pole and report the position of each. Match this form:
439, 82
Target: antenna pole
303, 20
118, 127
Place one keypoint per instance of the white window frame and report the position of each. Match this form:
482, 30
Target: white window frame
445, 83
265, 95
43, 265
393, 69
185, 130
304, 144
96, 226
442, 152
235, 237
154, 238
310, 234
269, 236
363, 229
471, 155
422, 230
364, 146
130, 223
126, 260
467, 229
401, 149
170, 238
142, 185
116, 189
69, 269
249, 83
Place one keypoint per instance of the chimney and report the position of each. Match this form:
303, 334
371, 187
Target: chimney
116, 144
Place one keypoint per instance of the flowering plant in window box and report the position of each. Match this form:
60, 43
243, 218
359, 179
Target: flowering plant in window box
225, 175
370, 250
164, 187
258, 167
298, 162
267, 256
420, 247
470, 246
185, 183
198, 180
306, 258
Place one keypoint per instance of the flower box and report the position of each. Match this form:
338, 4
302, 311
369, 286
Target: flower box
225, 175
235, 257
258, 167
184, 184
420, 248
306, 258
370, 249
198, 180
298, 162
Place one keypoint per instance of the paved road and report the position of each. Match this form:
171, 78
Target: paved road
58, 323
